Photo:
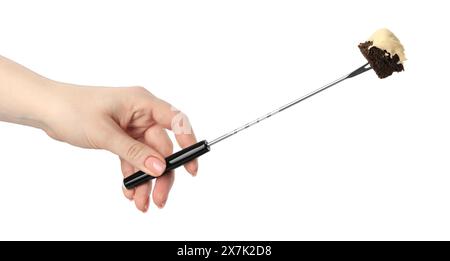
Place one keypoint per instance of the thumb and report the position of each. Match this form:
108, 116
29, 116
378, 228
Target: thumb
138, 154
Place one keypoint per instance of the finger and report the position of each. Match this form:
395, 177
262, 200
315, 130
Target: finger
157, 138
138, 154
162, 189
141, 196
186, 140
170, 118
127, 170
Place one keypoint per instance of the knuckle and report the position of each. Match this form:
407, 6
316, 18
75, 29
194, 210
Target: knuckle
141, 94
168, 149
127, 171
139, 90
135, 151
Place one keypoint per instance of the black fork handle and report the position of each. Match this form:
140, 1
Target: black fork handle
172, 162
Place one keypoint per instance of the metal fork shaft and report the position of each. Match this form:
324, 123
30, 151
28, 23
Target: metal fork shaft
358, 71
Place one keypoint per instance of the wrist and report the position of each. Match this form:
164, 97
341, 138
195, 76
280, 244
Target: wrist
38, 106
50, 105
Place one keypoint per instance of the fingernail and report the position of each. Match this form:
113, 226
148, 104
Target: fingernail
146, 206
194, 171
162, 205
155, 165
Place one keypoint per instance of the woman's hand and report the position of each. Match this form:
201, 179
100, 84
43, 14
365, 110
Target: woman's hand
130, 122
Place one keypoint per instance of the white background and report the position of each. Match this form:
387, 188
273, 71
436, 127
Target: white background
365, 160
